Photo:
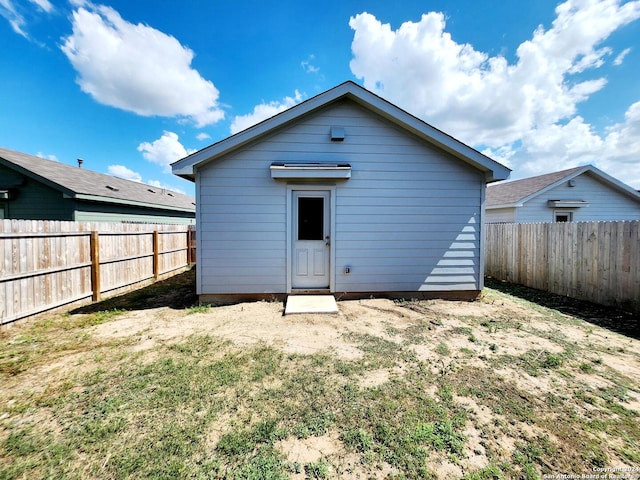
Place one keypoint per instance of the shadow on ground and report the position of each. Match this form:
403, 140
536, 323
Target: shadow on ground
177, 292
610, 318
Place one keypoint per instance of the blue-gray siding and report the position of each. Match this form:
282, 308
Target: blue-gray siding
408, 219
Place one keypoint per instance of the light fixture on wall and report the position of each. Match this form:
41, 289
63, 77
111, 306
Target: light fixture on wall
571, 183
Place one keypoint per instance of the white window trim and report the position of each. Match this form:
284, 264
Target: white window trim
569, 214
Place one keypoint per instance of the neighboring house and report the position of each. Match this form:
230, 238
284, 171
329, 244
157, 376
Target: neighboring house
579, 194
342, 193
37, 189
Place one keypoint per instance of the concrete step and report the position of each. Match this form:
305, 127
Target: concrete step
310, 304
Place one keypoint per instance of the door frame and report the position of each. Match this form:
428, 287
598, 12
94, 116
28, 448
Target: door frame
331, 189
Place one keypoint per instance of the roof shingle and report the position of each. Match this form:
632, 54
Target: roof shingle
511, 192
80, 181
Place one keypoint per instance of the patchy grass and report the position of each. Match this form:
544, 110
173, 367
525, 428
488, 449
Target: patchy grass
47, 339
198, 309
501, 389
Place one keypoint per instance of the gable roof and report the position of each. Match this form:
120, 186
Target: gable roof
516, 192
83, 184
348, 90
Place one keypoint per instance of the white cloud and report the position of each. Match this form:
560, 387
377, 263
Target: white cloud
203, 136
164, 151
11, 14
263, 111
15, 13
121, 171
44, 5
137, 68
594, 59
47, 157
558, 146
166, 186
514, 110
308, 67
620, 153
620, 57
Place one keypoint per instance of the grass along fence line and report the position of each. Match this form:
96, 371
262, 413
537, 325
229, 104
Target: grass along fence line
47, 264
594, 261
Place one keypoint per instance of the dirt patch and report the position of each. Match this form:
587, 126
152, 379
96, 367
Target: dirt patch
330, 449
243, 324
376, 378
249, 323
310, 449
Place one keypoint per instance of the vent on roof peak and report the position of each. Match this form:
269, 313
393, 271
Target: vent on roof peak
113, 189
151, 190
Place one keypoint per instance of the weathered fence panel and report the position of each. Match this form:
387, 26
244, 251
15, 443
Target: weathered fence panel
596, 261
47, 264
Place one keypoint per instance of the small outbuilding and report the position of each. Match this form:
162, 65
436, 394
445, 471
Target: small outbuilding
580, 194
344, 193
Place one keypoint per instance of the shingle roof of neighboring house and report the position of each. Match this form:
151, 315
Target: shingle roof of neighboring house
492, 170
514, 193
85, 184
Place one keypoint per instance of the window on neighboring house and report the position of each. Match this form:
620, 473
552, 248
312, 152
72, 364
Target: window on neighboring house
561, 216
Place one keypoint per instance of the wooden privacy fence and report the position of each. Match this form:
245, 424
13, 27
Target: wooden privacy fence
595, 261
47, 264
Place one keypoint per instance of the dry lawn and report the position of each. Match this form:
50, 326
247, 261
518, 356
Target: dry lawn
146, 386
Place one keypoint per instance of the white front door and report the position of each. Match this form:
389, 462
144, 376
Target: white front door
311, 239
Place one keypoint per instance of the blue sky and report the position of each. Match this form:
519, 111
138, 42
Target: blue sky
131, 86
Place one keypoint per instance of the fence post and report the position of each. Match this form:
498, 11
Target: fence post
156, 255
191, 245
95, 265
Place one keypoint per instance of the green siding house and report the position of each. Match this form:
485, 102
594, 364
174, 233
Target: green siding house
32, 188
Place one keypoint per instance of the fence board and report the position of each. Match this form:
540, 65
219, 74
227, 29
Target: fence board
47, 264
596, 261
